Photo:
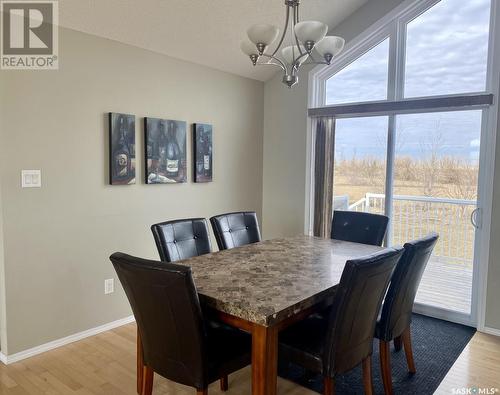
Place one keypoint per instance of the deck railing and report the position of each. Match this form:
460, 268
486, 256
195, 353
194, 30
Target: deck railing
416, 216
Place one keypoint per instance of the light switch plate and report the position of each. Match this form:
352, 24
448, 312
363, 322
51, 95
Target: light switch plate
31, 178
109, 286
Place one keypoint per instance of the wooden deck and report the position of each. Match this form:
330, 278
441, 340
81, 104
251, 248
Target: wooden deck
447, 285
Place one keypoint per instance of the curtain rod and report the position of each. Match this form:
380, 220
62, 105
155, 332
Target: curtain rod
407, 106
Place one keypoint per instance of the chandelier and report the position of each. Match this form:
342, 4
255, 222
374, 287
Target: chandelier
308, 40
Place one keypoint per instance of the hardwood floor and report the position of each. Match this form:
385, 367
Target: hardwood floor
478, 366
105, 364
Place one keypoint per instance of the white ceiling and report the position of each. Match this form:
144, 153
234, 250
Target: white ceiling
207, 32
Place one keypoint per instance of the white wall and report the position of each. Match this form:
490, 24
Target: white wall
57, 239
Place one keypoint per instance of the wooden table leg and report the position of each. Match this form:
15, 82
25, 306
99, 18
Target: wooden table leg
264, 360
147, 381
140, 363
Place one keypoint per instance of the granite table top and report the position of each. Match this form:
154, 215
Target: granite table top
269, 281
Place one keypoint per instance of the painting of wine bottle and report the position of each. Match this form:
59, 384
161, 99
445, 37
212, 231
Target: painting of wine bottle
203, 152
165, 146
121, 149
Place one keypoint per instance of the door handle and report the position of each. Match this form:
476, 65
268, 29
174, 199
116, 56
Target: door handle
474, 218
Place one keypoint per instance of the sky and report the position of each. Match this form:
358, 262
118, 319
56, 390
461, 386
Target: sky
447, 50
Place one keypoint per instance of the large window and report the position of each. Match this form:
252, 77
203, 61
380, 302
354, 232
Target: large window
372, 68
447, 49
420, 166
360, 159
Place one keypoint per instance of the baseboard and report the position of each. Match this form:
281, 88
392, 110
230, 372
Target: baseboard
491, 331
8, 359
443, 314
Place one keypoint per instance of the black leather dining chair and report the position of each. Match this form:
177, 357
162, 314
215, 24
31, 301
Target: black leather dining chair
344, 340
181, 239
177, 344
395, 320
359, 227
235, 229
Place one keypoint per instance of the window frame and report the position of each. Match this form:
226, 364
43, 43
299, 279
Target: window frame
394, 25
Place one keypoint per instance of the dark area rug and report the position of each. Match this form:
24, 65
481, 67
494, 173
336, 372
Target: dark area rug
436, 346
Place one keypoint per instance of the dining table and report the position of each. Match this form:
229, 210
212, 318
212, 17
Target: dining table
264, 287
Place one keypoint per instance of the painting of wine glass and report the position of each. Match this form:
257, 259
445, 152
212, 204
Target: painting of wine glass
121, 149
203, 152
165, 143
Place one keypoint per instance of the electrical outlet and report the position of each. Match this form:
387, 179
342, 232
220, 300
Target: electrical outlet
109, 286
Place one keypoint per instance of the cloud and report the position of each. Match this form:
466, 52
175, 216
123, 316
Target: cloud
475, 143
363, 80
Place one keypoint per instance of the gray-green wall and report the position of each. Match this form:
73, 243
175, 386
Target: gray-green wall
57, 239
3, 327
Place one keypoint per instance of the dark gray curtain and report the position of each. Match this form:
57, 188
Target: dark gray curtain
324, 149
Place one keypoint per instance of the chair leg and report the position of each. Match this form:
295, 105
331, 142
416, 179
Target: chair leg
408, 350
367, 375
224, 383
329, 384
140, 365
202, 392
147, 381
385, 366
398, 344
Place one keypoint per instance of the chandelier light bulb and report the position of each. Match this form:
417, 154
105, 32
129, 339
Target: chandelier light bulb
310, 32
291, 53
329, 47
263, 34
251, 50
248, 48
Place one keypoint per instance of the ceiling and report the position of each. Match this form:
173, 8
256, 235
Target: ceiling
207, 32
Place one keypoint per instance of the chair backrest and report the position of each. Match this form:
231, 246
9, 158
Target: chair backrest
235, 229
398, 303
181, 239
355, 309
359, 227
169, 317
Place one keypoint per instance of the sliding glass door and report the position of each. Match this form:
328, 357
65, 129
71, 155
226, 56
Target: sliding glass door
436, 171
427, 182
420, 167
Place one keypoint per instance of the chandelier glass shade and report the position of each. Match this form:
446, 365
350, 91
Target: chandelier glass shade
308, 41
